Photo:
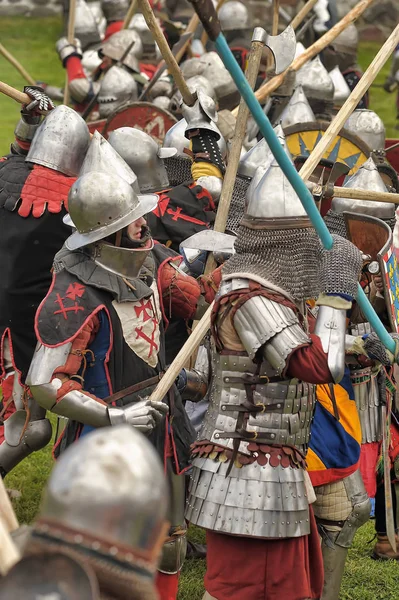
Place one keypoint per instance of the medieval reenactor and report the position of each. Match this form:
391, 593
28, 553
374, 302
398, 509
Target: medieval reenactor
101, 329
33, 202
343, 52
74, 549
236, 25
187, 208
115, 82
391, 83
249, 483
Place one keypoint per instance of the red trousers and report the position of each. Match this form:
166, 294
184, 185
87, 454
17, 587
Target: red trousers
240, 568
167, 586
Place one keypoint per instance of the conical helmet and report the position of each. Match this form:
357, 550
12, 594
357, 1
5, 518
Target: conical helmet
367, 125
117, 88
315, 80
101, 204
124, 47
86, 26
274, 197
61, 142
347, 41
109, 487
341, 88
298, 110
96, 9
259, 155
365, 178
102, 157
234, 16
267, 159
144, 157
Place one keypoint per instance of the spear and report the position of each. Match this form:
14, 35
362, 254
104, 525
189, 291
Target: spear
349, 106
166, 52
326, 39
305, 10
254, 58
206, 13
11, 59
129, 15
71, 36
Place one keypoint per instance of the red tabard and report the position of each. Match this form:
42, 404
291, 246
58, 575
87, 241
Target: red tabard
241, 568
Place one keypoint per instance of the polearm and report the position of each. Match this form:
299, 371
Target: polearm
173, 67
350, 104
305, 10
71, 36
208, 16
270, 86
251, 73
130, 13
15, 63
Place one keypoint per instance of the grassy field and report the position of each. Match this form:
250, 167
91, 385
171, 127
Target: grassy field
32, 42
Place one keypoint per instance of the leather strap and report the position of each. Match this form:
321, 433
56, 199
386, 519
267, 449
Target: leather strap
137, 387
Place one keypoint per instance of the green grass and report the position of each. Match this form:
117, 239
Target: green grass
32, 42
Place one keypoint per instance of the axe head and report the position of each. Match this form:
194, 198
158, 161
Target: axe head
210, 241
282, 47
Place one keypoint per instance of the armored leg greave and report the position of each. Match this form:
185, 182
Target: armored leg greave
25, 431
340, 509
174, 549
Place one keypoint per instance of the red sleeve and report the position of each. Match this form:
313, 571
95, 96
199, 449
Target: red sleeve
75, 359
112, 28
309, 363
74, 68
180, 292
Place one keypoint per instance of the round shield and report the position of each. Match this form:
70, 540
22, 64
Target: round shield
345, 148
142, 115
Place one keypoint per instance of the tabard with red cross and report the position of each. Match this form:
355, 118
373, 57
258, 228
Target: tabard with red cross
140, 325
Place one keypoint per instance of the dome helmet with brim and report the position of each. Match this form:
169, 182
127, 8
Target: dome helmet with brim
100, 205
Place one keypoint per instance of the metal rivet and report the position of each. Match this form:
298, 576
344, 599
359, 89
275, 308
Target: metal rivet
78, 539
113, 550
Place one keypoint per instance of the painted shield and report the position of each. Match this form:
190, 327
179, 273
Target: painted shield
345, 148
142, 115
374, 237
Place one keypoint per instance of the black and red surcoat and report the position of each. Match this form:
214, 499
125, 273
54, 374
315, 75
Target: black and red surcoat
116, 357
32, 205
181, 212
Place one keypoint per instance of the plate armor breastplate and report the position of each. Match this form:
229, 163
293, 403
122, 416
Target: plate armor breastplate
261, 421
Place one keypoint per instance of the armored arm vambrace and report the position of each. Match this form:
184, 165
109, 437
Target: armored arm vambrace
52, 385
272, 328
331, 329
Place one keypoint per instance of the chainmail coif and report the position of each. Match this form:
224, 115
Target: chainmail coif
288, 258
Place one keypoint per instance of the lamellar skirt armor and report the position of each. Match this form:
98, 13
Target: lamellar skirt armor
260, 421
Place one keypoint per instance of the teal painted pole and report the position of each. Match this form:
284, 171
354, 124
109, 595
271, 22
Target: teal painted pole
208, 16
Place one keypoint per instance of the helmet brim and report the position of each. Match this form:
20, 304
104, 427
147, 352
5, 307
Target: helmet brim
77, 240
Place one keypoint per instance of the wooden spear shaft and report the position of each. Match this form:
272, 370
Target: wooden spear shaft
349, 106
9, 553
305, 10
276, 6
251, 74
15, 63
7, 513
16, 95
71, 36
269, 87
129, 15
166, 52
357, 194
186, 351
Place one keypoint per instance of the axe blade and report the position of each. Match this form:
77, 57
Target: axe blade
282, 47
